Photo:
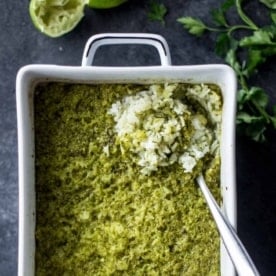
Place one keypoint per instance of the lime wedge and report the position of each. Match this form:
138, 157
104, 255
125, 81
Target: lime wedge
105, 4
56, 17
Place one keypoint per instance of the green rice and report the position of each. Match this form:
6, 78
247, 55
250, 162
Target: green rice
96, 212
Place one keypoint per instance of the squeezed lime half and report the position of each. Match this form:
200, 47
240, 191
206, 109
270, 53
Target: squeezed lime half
56, 17
105, 4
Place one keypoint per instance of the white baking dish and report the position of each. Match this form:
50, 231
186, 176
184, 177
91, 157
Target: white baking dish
30, 75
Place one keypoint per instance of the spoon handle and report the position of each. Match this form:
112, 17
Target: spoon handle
237, 252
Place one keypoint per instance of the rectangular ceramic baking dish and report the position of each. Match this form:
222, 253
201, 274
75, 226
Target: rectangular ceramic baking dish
29, 76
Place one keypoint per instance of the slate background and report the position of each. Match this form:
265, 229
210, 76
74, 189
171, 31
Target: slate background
21, 44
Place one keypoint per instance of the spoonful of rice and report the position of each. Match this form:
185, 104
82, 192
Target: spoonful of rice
159, 129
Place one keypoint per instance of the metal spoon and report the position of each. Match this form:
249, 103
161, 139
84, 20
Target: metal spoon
237, 252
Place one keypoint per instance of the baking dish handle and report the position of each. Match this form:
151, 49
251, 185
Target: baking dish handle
98, 40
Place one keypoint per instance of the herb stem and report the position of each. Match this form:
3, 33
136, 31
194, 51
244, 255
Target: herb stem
244, 17
230, 29
244, 54
211, 29
239, 27
261, 111
242, 81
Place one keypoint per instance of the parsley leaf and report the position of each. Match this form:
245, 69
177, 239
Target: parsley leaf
227, 5
222, 44
193, 25
254, 59
257, 95
243, 117
273, 16
259, 37
269, 3
252, 126
231, 59
244, 53
274, 110
157, 12
219, 17
225, 43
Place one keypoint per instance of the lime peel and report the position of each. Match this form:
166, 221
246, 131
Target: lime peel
56, 17
105, 4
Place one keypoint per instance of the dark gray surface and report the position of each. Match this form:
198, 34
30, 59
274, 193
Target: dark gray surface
21, 44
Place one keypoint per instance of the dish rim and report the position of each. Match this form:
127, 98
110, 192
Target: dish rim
29, 76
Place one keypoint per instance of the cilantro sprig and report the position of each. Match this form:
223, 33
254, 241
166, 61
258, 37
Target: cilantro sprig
254, 45
157, 11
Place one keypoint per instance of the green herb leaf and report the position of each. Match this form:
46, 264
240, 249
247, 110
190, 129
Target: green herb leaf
273, 120
269, 51
269, 3
273, 16
244, 55
274, 110
256, 131
254, 59
241, 98
260, 37
232, 60
227, 5
219, 17
224, 43
252, 126
157, 12
258, 95
254, 94
244, 17
193, 25
243, 117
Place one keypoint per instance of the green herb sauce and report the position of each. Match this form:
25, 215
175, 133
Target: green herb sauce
96, 214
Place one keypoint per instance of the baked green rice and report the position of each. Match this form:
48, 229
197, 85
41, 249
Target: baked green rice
105, 208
